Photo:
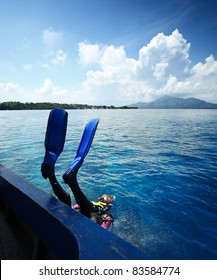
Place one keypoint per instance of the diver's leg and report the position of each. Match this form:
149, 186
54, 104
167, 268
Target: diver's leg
81, 199
70, 176
59, 191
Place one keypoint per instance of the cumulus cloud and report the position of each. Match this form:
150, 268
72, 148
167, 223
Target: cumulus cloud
48, 92
201, 81
51, 93
163, 67
46, 88
163, 56
10, 87
88, 53
208, 68
10, 91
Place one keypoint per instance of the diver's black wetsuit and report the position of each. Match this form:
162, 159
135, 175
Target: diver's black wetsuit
85, 205
94, 210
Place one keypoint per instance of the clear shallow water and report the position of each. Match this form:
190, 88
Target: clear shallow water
161, 165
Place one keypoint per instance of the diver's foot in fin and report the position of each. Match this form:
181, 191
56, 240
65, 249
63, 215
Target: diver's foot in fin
47, 170
54, 140
70, 176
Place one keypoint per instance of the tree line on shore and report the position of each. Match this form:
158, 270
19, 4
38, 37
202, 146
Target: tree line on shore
14, 105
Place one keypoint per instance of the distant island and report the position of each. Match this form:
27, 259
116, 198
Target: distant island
165, 102
13, 105
169, 102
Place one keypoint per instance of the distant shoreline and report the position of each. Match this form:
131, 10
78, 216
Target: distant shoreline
15, 105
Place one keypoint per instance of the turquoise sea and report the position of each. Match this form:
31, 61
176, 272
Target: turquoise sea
160, 164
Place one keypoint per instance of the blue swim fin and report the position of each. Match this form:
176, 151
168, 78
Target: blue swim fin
83, 148
54, 140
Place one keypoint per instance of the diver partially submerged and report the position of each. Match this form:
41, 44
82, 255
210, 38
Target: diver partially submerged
96, 210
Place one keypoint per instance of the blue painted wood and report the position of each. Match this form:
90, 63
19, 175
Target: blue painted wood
68, 234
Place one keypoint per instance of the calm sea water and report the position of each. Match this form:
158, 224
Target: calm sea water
161, 165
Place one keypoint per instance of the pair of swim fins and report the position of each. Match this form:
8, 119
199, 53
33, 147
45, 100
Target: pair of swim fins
55, 139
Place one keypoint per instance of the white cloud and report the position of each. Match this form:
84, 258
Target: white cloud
53, 54
201, 81
54, 58
46, 88
162, 67
59, 57
50, 93
88, 53
10, 92
51, 39
208, 68
10, 87
109, 84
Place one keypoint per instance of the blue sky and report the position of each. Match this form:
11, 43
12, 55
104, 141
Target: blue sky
112, 52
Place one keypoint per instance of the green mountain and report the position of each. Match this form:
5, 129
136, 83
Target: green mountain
169, 102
